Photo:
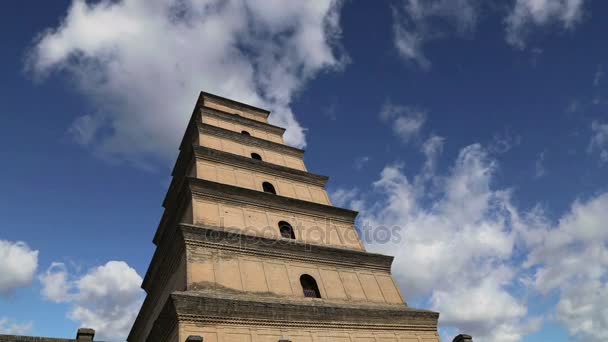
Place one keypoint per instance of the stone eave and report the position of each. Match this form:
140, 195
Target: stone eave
232, 103
224, 308
206, 153
172, 244
187, 156
207, 188
242, 120
248, 140
216, 237
165, 259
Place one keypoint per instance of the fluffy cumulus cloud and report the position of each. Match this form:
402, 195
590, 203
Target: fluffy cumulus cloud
407, 122
18, 264
463, 248
453, 237
529, 14
142, 64
599, 140
11, 327
107, 298
572, 259
56, 286
416, 22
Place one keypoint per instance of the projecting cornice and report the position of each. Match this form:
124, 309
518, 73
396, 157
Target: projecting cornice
234, 241
248, 140
219, 307
231, 103
205, 153
211, 112
187, 156
178, 196
209, 189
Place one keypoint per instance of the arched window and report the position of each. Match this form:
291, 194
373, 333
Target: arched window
286, 230
245, 133
256, 156
268, 188
309, 286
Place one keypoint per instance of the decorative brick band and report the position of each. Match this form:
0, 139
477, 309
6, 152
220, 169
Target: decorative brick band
207, 188
283, 249
206, 153
211, 112
248, 140
226, 308
189, 153
230, 103
178, 194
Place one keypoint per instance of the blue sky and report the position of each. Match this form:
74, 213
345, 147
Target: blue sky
479, 129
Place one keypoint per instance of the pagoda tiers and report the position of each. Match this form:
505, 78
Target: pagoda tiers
250, 248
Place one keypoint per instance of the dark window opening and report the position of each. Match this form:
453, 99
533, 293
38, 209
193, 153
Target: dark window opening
309, 286
286, 230
256, 156
268, 188
245, 133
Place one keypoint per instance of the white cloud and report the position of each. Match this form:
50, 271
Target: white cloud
18, 264
572, 258
417, 22
406, 121
458, 241
454, 237
599, 140
55, 283
527, 14
10, 327
432, 149
106, 299
488, 303
142, 63
343, 197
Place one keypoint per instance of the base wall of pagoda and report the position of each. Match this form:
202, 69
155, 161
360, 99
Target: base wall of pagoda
234, 333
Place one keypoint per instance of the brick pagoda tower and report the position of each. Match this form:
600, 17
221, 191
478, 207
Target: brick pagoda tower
249, 247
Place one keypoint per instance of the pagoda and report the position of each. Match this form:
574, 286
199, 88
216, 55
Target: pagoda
250, 248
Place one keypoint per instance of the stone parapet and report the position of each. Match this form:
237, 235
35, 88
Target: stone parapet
219, 307
82, 335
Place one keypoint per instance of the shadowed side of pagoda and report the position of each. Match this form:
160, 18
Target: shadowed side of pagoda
249, 247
